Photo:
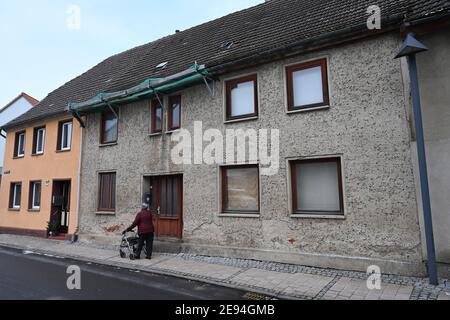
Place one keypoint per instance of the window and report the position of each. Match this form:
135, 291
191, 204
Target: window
174, 113
307, 85
109, 128
65, 136
38, 140
107, 192
15, 195
157, 116
240, 189
317, 186
241, 98
35, 195
19, 145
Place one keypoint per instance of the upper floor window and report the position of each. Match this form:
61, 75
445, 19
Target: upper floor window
19, 144
107, 192
38, 140
109, 128
241, 98
157, 117
35, 195
317, 186
15, 195
65, 136
307, 85
174, 113
240, 189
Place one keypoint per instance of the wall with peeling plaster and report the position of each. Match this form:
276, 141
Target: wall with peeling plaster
365, 124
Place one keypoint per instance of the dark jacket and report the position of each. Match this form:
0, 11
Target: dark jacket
144, 222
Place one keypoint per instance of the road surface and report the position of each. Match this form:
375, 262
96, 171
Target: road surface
24, 275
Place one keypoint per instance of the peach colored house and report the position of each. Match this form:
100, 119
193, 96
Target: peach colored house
40, 175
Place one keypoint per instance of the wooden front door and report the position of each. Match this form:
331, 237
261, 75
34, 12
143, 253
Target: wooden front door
167, 199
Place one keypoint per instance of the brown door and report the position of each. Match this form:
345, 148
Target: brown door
167, 199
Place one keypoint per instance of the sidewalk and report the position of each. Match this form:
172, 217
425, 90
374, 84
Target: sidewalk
282, 281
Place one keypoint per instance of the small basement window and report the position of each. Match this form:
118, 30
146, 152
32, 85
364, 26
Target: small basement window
307, 85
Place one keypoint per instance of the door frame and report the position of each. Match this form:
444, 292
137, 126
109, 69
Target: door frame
68, 180
170, 174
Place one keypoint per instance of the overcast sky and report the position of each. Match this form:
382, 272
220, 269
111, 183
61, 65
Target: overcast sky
42, 47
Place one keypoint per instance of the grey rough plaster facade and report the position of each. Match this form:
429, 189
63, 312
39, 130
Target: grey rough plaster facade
365, 124
434, 78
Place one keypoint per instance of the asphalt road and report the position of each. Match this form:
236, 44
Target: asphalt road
24, 275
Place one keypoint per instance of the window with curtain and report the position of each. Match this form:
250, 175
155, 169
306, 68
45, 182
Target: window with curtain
107, 192
240, 189
307, 85
109, 128
174, 113
317, 186
241, 98
157, 117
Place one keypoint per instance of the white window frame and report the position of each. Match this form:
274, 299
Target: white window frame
69, 136
37, 141
33, 198
21, 151
14, 206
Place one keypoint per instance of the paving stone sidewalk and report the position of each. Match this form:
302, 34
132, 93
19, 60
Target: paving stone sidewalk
276, 280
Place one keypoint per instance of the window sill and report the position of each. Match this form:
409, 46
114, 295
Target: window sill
298, 110
319, 215
155, 134
63, 151
19, 157
173, 131
34, 210
106, 145
105, 213
240, 215
252, 118
14, 209
37, 154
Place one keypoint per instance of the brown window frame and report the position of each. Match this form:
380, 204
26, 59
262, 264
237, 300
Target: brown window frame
60, 132
290, 83
229, 84
154, 105
102, 128
30, 196
11, 196
170, 125
16, 144
35, 133
109, 194
293, 173
224, 189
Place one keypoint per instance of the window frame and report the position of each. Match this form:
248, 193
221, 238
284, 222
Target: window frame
102, 128
61, 128
223, 196
17, 144
170, 126
12, 196
109, 194
32, 195
291, 69
155, 103
228, 105
36, 140
293, 183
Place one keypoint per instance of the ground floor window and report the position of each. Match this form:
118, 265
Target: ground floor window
107, 192
35, 195
240, 189
317, 186
15, 195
